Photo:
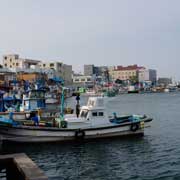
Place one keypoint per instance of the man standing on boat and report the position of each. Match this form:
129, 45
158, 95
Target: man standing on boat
77, 109
77, 105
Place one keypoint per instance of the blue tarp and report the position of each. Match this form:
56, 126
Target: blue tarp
10, 98
57, 80
6, 120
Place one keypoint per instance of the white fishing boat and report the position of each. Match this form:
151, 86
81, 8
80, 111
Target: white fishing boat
93, 122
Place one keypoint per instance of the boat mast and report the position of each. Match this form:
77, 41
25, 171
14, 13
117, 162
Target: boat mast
62, 104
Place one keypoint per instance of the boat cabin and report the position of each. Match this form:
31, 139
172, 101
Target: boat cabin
93, 114
33, 99
11, 103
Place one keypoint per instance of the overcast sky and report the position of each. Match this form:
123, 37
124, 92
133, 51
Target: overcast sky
100, 32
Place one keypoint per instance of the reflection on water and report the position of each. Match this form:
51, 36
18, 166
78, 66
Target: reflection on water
155, 156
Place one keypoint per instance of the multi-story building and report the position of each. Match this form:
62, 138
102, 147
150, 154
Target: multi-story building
60, 70
67, 74
89, 69
13, 61
147, 75
82, 79
124, 73
52, 69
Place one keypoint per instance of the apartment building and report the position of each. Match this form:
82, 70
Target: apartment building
145, 75
125, 73
13, 61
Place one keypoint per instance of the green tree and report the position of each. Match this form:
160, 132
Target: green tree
133, 79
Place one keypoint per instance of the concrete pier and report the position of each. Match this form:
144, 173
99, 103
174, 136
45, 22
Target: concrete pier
20, 167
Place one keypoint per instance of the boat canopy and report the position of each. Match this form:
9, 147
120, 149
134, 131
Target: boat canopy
57, 80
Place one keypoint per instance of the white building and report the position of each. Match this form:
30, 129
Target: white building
81, 79
13, 61
146, 75
53, 69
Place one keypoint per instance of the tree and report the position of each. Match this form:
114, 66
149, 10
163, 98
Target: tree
118, 81
133, 80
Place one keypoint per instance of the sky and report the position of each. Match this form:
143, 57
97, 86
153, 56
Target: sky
100, 32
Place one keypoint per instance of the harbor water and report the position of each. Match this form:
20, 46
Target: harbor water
155, 156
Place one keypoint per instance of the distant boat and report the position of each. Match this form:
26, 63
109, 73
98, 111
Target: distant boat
132, 90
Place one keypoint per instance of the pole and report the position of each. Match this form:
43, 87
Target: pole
62, 104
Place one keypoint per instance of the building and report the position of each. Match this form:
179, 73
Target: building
125, 73
67, 74
164, 81
31, 76
89, 70
13, 61
147, 75
81, 79
6, 75
61, 70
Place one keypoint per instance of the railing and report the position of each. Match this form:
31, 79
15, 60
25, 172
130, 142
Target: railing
20, 167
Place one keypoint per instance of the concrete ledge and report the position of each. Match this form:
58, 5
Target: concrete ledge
21, 166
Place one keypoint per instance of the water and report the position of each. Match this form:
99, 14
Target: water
156, 156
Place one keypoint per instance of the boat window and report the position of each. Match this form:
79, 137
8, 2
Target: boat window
84, 114
33, 94
101, 114
42, 95
37, 94
94, 114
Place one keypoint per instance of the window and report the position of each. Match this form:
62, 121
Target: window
44, 65
94, 114
77, 80
10, 60
5, 65
5, 57
101, 114
10, 66
82, 79
17, 64
84, 114
51, 64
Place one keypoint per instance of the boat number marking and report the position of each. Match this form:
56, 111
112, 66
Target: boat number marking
142, 124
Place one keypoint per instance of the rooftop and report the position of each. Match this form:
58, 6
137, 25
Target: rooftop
129, 68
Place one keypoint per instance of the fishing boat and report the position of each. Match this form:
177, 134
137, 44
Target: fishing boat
33, 101
93, 123
133, 90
